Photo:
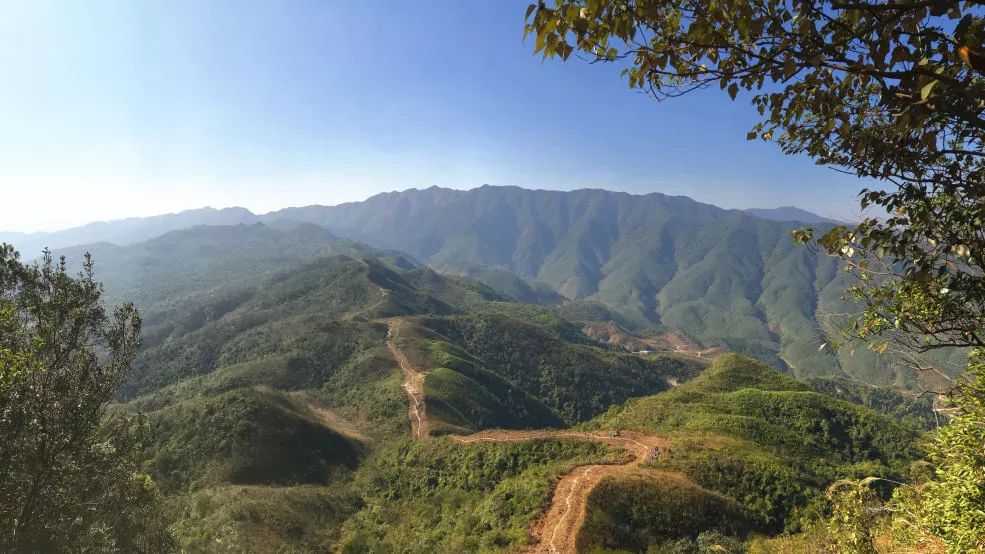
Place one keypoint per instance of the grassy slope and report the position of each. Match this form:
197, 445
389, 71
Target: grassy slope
523, 352
647, 506
250, 518
438, 496
758, 437
914, 410
248, 437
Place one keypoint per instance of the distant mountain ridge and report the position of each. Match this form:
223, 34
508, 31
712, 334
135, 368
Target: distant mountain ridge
131, 230
657, 262
654, 263
789, 213
719, 276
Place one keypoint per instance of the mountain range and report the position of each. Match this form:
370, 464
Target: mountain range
662, 268
137, 229
128, 231
654, 263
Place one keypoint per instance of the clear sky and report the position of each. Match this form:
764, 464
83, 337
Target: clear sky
111, 109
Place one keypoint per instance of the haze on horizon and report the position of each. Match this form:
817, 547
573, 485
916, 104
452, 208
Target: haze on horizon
115, 109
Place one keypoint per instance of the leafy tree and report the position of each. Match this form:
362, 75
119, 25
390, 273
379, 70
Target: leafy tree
67, 470
953, 505
892, 91
854, 508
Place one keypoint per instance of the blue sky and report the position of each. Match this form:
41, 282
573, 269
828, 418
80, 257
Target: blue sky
113, 109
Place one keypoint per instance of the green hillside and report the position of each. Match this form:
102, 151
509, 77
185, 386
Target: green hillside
292, 321
550, 360
763, 440
655, 263
438, 496
488, 363
186, 278
648, 507
915, 410
292, 390
192, 262
246, 437
258, 518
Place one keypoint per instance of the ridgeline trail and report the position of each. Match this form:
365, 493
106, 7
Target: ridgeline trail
557, 531
413, 384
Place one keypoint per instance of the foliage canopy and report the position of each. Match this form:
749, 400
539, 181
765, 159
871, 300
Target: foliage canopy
68, 479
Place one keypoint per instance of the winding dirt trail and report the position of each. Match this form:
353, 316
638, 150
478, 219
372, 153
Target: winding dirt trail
413, 385
557, 531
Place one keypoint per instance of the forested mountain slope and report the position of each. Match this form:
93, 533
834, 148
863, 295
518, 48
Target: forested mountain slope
287, 402
720, 277
487, 362
285, 407
653, 264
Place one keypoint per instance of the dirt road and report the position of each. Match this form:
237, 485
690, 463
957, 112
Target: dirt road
557, 531
413, 384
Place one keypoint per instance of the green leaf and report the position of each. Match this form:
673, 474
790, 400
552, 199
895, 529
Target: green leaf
789, 68
925, 91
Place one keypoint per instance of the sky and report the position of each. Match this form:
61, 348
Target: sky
113, 109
